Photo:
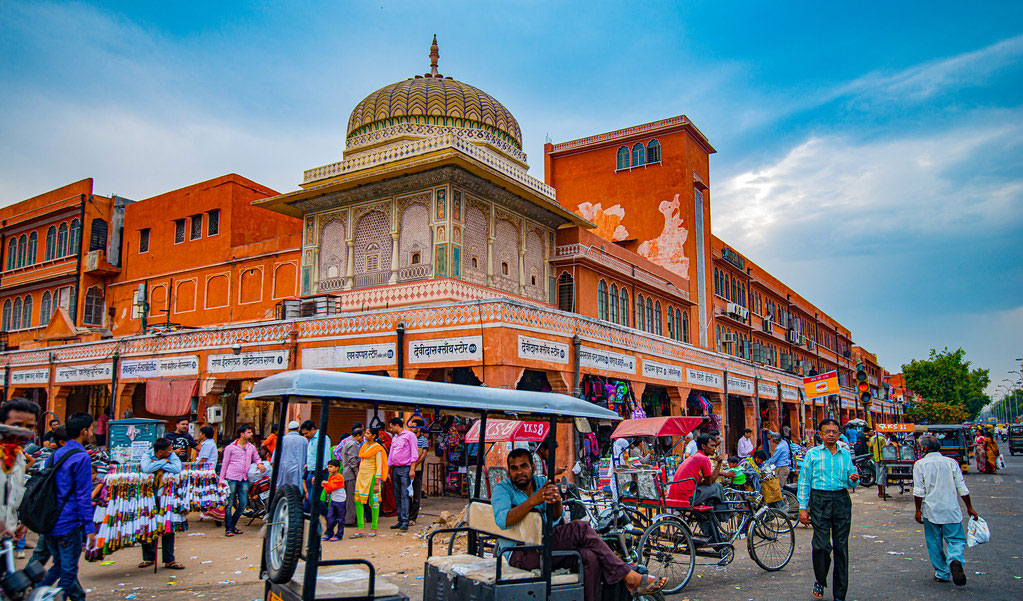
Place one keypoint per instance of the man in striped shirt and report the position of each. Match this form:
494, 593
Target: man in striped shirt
824, 479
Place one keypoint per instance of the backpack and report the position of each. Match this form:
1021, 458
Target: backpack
40, 508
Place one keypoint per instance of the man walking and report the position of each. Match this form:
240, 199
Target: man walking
782, 458
875, 443
74, 526
309, 430
404, 453
293, 449
937, 485
238, 456
350, 471
163, 460
824, 479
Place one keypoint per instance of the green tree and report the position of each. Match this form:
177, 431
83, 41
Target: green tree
945, 377
936, 413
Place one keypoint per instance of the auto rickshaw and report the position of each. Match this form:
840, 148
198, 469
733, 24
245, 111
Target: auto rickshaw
1015, 438
955, 442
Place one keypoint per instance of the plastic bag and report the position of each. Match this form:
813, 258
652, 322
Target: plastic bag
1000, 463
977, 532
410, 491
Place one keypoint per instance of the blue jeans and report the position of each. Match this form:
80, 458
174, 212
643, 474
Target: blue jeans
66, 549
307, 504
19, 545
237, 499
400, 480
945, 543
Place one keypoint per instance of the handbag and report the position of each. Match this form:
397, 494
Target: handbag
771, 489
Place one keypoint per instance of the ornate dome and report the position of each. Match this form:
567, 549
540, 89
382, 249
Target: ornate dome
433, 99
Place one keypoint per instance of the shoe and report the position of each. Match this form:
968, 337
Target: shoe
945, 580
818, 590
20, 554
396, 526
403, 528
958, 574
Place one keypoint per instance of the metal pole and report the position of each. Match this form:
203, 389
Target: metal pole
401, 349
577, 343
315, 507
724, 409
114, 373
479, 457
281, 431
7, 380
548, 558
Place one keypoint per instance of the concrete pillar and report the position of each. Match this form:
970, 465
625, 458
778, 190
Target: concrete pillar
490, 260
522, 270
394, 258
350, 276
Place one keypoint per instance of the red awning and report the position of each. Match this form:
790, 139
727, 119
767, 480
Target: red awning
507, 430
657, 426
170, 397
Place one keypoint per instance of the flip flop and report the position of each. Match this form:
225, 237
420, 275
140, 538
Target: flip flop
818, 590
358, 535
173, 566
649, 586
229, 534
146, 564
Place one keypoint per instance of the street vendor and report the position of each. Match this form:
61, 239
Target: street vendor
523, 492
162, 460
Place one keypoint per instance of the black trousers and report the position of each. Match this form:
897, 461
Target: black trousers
417, 497
831, 516
166, 549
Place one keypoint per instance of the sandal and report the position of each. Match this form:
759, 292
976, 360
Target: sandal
358, 535
818, 590
146, 564
237, 531
173, 566
229, 534
649, 586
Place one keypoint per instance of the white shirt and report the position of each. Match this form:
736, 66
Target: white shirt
691, 448
618, 456
339, 495
939, 481
745, 447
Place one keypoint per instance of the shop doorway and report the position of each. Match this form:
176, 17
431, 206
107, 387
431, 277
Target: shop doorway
534, 381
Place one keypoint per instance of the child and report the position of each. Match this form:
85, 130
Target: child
335, 487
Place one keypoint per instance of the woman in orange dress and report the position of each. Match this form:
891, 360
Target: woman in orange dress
992, 451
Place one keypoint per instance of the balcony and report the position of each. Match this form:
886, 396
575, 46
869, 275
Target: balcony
95, 264
373, 278
420, 271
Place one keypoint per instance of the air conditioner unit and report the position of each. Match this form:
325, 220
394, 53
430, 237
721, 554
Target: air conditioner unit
792, 336
802, 339
767, 325
846, 353
744, 313
734, 309
810, 344
214, 414
728, 337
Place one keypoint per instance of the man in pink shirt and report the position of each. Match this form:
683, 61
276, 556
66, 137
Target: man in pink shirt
238, 456
404, 453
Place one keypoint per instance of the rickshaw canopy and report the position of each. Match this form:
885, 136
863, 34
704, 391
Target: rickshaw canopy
305, 385
657, 426
507, 430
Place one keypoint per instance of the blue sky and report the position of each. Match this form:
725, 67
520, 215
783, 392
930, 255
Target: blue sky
871, 155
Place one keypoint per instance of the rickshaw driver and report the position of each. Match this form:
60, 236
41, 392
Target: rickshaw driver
524, 491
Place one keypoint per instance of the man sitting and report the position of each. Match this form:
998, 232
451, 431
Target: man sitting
522, 492
700, 488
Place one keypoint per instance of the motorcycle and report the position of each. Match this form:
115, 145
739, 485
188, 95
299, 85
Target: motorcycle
867, 469
21, 585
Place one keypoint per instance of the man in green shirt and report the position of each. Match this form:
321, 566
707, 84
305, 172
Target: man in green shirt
875, 442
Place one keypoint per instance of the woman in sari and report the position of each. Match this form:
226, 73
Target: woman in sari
992, 451
980, 452
372, 473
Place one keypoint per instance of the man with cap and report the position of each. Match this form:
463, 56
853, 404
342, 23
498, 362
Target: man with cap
293, 448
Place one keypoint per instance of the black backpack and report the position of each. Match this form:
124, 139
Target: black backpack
40, 508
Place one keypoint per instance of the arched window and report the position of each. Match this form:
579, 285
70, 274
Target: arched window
638, 154
5, 323
98, 233
44, 308
62, 240
623, 157
614, 304
602, 300
92, 314
640, 318
33, 242
12, 254
75, 237
566, 292
625, 307
649, 315
51, 243
671, 323
16, 315
26, 312
683, 319
657, 318
653, 152
22, 249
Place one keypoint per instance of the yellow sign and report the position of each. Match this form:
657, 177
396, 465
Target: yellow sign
887, 428
821, 385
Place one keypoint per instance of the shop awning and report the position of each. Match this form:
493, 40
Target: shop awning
170, 397
508, 430
657, 426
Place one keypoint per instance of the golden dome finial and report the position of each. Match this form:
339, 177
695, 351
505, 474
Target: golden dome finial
434, 55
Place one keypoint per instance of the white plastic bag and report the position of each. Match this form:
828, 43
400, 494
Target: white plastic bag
1000, 463
977, 532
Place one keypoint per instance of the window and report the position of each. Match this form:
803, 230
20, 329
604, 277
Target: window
44, 308
671, 323
416, 257
614, 304
640, 318
22, 247
657, 318
638, 154
566, 292
97, 235
649, 315
62, 240
195, 230
532, 280
602, 300
179, 231
16, 316
213, 223
653, 152
504, 267
33, 242
144, 240
625, 308
26, 312
92, 314
684, 319
623, 157
475, 263
5, 323
51, 243
12, 254
372, 262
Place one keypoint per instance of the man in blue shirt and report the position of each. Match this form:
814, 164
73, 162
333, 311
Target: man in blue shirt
74, 488
824, 479
523, 492
782, 458
164, 459
309, 430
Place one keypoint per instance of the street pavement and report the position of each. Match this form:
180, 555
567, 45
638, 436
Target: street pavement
888, 559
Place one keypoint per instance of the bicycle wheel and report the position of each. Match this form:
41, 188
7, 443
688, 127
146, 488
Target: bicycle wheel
666, 549
771, 540
791, 504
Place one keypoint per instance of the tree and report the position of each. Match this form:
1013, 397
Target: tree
946, 378
936, 413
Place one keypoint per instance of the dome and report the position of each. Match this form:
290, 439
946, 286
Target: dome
433, 99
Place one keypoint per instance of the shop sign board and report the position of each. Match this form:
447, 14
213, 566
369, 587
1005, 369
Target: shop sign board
25, 377
789, 393
767, 390
601, 359
86, 372
539, 349
739, 385
886, 428
353, 355
160, 367
821, 385
247, 361
439, 350
662, 371
706, 379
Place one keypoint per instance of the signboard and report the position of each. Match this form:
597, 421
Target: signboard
130, 439
24, 377
439, 350
539, 349
789, 393
706, 379
895, 428
606, 360
354, 355
248, 361
86, 372
767, 390
662, 371
821, 385
160, 367
740, 385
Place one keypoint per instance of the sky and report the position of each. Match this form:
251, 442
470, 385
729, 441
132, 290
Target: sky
871, 156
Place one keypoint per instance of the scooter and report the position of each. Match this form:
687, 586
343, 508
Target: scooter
867, 468
20, 585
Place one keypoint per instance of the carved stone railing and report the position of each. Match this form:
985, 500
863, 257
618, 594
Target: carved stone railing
415, 272
373, 278
332, 284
